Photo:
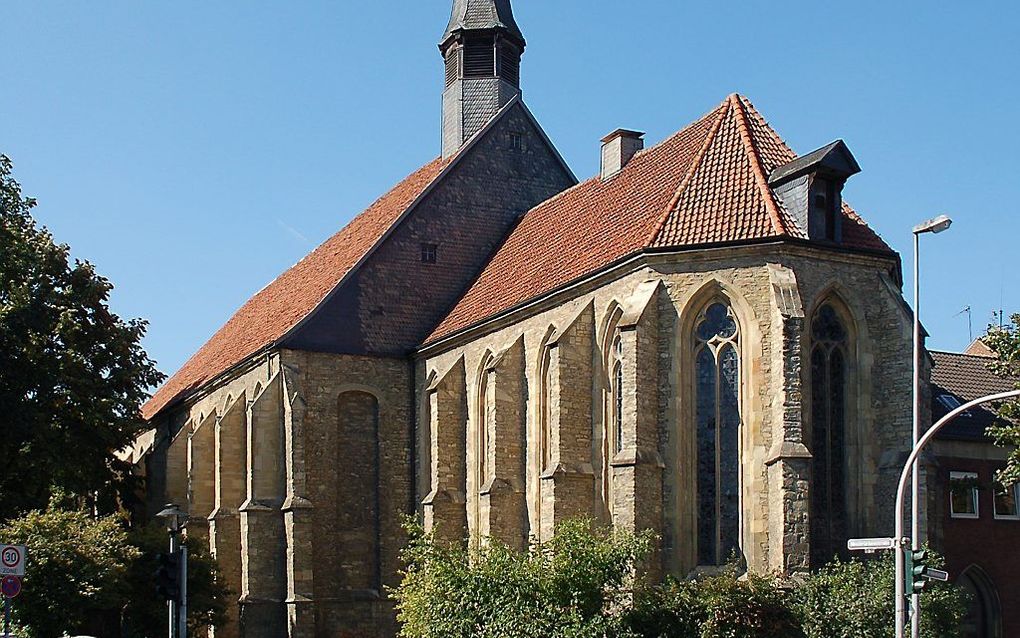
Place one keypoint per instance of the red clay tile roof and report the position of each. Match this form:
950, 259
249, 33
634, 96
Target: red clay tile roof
967, 377
277, 308
707, 184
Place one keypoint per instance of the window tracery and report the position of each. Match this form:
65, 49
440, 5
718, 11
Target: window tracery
717, 420
829, 392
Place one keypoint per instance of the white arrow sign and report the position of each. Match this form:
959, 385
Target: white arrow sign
12, 560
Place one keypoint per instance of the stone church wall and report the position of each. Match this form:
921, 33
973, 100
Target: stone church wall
774, 291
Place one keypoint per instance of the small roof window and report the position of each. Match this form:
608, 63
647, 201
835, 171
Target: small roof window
951, 402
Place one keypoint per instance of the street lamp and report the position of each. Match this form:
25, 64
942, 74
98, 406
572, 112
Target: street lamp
176, 521
933, 226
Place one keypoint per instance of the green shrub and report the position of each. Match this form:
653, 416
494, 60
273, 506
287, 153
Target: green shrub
571, 587
581, 585
717, 606
855, 599
76, 571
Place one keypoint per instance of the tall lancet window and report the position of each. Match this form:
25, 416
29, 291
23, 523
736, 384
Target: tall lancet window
616, 381
829, 343
717, 388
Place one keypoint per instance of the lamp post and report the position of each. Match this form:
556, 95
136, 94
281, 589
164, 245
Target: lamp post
900, 541
933, 226
176, 520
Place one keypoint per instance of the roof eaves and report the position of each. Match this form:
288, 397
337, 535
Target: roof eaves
743, 125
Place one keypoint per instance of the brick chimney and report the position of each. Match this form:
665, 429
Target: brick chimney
618, 148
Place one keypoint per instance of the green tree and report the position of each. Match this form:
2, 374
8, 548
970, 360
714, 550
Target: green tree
76, 581
1005, 342
72, 373
145, 611
855, 600
92, 575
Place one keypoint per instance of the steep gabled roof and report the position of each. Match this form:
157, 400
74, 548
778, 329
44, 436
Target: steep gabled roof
966, 377
276, 309
705, 185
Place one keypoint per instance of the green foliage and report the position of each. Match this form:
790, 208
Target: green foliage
570, 587
91, 575
723, 605
72, 373
1005, 342
77, 570
207, 592
581, 585
855, 600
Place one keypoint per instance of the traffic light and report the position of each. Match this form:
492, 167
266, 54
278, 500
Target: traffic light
916, 574
168, 576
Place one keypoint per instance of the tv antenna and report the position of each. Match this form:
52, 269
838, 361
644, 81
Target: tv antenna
970, 321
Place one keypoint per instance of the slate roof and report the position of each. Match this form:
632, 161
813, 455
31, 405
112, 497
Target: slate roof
276, 309
967, 377
482, 14
705, 185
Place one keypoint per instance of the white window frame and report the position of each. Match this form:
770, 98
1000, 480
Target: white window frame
959, 476
1016, 501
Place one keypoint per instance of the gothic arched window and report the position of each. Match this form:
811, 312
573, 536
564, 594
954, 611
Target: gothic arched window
717, 420
616, 380
485, 408
545, 406
829, 377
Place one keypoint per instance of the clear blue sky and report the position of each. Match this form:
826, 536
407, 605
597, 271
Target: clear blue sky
194, 150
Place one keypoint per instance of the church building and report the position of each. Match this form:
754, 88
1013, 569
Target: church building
704, 340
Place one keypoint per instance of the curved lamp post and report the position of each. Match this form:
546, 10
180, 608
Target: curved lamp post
901, 601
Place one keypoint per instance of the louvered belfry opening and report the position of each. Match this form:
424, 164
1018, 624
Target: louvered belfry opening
510, 63
479, 57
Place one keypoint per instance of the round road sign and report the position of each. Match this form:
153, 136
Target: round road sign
10, 586
10, 557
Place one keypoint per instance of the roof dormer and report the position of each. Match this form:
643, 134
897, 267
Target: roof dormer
811, 189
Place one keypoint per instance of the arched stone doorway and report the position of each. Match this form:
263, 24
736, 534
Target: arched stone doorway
983, 618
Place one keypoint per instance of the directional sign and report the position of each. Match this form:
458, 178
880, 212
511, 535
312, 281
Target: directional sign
12, 560
870, 544
935, 574
10, 586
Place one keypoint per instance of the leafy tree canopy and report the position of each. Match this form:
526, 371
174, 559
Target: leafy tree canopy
72, 373
1005, 342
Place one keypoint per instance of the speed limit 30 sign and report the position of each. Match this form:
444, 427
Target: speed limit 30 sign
12, 560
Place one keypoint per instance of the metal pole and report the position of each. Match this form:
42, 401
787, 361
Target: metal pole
915, 487
172, 604
901, 599
182, 609
7, 617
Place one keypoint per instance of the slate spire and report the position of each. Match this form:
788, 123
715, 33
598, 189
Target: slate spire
482, 49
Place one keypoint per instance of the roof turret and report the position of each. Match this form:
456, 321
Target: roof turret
480, 15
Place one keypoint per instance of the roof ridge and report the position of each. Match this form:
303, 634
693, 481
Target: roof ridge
743, 126
723, 110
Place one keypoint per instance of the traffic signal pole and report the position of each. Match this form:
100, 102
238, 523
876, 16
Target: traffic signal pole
903, 544
172, 604
182, 607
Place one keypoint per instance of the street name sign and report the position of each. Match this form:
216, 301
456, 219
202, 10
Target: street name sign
935, 574
10, 586
870, 544
12, 560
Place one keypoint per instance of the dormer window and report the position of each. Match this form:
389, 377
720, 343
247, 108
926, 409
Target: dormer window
811, 187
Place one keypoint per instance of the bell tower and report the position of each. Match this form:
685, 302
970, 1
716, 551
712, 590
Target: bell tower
482, 50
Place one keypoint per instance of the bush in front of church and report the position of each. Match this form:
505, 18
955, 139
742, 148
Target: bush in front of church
574, 586
723, 605
855, 600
